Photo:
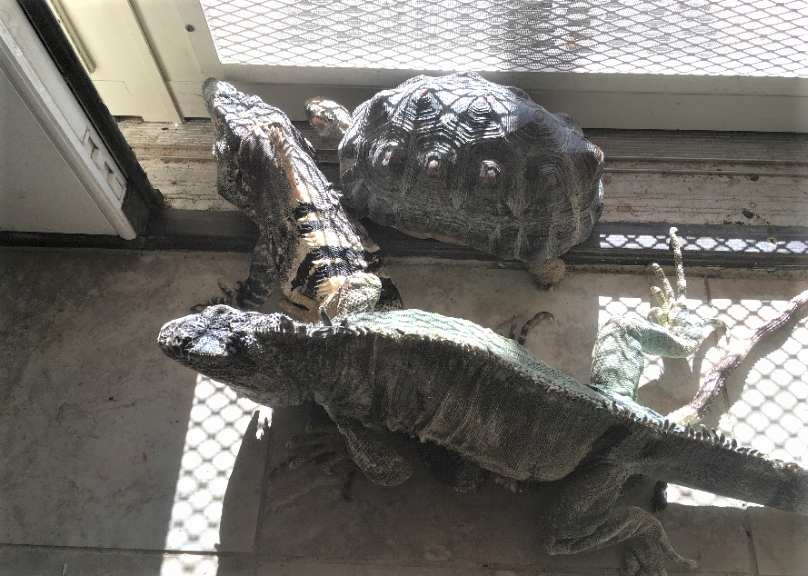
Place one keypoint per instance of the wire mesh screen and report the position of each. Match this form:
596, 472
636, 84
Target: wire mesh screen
728, 37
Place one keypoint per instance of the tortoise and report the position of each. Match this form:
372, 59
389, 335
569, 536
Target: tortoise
467, 161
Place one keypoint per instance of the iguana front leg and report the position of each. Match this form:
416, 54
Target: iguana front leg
584, 517
253, 291
373, 452
263, 272
670, 331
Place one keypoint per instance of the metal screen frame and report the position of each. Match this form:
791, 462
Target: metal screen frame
596, 100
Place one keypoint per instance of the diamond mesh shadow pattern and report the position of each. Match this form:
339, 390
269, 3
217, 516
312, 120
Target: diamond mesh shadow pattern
705, 239
728, 37
765, 405
220, 424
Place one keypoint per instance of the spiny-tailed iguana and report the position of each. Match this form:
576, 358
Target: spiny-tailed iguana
452, 382
320, 255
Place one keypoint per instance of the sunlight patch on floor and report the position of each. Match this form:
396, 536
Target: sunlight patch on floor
217, 422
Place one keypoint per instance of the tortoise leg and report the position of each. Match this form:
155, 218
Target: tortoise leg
547, 273
329, 119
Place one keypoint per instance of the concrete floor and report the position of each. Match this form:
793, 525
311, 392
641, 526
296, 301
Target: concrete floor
118, 461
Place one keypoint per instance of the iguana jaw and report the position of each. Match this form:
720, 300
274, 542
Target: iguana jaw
208, 342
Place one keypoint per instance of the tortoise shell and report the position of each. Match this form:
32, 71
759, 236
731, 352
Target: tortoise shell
464, 160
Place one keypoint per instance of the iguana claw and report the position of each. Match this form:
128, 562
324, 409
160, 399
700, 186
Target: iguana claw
229, 298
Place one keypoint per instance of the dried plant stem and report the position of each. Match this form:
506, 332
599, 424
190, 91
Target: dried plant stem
716, 380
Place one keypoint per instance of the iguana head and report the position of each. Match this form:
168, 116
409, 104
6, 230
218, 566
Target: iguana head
208, 341
253, 143
238, 348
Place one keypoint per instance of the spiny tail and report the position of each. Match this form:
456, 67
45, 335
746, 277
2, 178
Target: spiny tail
707, 460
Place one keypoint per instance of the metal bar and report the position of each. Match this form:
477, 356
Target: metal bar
729, 246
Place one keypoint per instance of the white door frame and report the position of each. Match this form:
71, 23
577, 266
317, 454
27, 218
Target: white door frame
32, 72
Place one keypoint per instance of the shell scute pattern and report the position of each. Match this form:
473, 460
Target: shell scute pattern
465, 160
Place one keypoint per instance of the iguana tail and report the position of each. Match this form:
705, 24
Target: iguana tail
707, 460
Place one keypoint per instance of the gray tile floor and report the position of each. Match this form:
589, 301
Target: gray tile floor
118, 461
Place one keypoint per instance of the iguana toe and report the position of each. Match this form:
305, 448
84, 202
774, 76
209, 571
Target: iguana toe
646, 554
228, 298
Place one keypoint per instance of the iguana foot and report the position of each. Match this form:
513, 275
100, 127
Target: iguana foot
646, 555
672, 312
647, 546
670, 331
585, 517
528, 326
321, 445
228, 298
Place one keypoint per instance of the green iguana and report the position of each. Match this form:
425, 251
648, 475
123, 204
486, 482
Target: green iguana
459, 385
